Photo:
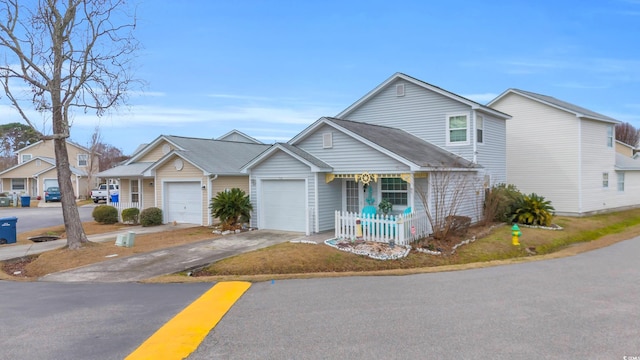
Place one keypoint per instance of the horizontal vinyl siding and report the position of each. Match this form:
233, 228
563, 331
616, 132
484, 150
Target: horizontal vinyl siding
329, 200
420, 112
630, 197
27, 170
229, 182
281, 166
348, 154
597, 158
168, 173
542, 151
492, 153
156, 153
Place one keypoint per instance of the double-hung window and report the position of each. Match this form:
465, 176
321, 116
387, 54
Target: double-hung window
25, 157
17, 184
83, 160
135, 191
610, 136
395, 191
605, 180
458, 129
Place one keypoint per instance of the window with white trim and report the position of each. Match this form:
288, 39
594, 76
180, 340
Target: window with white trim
480, 130
610, 136
395, 190
25, 157
620, 181
83, 160
17, 184
135, 191
605, 180
458, 129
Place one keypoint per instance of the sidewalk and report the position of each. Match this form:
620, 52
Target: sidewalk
15, 251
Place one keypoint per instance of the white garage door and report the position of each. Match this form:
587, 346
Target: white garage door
50, 183
183, 202
284, 205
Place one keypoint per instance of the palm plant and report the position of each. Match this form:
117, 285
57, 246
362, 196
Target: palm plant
231, 207
533, 210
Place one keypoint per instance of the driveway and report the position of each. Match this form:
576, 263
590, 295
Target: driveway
175, 259
32, 218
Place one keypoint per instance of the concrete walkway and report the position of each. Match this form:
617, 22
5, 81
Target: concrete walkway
180, 258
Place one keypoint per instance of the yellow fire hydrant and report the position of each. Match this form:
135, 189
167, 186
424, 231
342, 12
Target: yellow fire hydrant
515, 234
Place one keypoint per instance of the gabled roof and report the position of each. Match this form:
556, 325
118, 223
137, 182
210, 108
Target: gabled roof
304, 157
131, 170
48, 160
401, 143
626, 163
474, 105
233, 134
41, 141
211, 156
578, 111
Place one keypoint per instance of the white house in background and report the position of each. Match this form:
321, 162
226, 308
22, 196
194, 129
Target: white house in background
568, 154
386, 145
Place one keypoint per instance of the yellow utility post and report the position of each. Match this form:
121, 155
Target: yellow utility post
515, 234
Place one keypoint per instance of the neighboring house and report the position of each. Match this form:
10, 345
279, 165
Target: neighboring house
384, 146
568, 154
180, 175
36, 169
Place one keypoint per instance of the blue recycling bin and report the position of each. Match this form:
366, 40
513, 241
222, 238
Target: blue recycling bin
8, 230
25, 200
114, 198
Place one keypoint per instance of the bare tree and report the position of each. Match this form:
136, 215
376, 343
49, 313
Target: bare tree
94, 158
69, 54
449, 191
627, 134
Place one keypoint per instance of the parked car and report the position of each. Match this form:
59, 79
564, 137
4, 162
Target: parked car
52, 194
101, 192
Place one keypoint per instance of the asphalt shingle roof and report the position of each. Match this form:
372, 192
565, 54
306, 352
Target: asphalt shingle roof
567, 106
405, 145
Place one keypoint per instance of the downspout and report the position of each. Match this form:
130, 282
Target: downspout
475, 139
209, 191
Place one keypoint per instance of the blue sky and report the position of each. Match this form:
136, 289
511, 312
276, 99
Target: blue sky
271, 68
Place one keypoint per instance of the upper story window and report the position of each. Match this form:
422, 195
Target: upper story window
395, 190
83, 160
25, 157
605, 180
610, 136
480, 130
457, 130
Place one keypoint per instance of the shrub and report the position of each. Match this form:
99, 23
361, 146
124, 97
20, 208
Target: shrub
151, 216
500, 201
105, 214
131, 215
231, 207
385, 206
533, 210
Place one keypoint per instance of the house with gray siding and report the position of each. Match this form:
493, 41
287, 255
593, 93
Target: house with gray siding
568, 154
388, 145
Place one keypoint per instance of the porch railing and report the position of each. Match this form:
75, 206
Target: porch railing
402, 229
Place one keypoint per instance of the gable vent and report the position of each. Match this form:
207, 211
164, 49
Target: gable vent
400, 90
327, 140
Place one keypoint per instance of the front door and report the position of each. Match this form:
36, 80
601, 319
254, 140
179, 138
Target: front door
352, 196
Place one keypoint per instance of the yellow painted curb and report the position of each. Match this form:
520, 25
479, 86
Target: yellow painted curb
181, 335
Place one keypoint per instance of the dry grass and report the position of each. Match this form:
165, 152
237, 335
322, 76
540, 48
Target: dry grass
290, 260
64, 259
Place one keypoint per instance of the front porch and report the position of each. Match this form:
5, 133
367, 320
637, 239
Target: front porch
400, 229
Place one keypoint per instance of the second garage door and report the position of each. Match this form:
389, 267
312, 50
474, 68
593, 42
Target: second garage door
183, 202
284, 205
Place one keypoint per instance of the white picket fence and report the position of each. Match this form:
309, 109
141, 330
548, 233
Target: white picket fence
402, 229
124, 205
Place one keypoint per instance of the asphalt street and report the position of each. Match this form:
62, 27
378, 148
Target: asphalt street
85, 321
32, 218
581, 307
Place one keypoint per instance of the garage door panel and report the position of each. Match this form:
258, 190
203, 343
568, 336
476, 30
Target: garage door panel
284, 204
183, 202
